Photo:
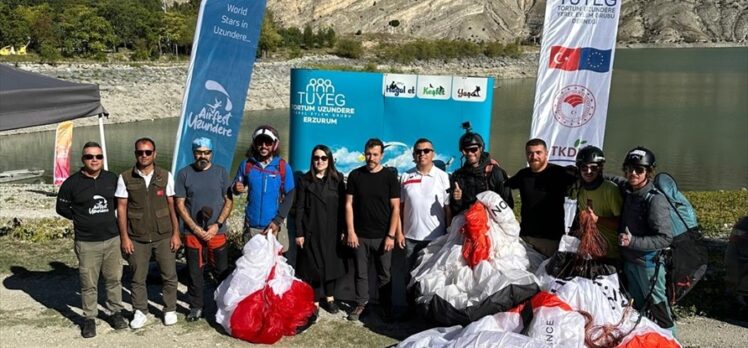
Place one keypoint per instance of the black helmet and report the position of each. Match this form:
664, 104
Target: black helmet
640, 156
470, 139
590, 154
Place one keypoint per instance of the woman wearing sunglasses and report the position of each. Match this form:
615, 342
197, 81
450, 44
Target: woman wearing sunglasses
319, 224
645, 231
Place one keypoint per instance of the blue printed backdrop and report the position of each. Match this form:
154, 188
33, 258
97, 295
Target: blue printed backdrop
220, 69
344, 109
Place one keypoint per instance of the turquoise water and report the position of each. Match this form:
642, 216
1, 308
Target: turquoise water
690, 106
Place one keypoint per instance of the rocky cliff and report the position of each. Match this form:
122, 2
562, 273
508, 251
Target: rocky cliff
642, 21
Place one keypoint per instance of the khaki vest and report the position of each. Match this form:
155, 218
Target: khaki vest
147, 208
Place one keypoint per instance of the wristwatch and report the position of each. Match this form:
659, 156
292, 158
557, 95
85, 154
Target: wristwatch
391, 237
220, 224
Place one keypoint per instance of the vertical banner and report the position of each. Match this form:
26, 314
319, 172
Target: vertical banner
576, 62
63, 141
223, 54
344, 109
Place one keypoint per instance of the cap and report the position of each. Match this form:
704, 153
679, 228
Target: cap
202, 142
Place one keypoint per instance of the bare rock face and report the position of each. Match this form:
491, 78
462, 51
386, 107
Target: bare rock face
646, 21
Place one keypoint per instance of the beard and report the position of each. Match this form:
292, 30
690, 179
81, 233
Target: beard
201, 164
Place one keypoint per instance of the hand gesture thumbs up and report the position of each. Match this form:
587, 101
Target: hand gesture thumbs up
457, 192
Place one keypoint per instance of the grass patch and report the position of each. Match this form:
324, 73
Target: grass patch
35, 256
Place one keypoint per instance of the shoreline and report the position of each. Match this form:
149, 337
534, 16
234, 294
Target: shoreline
140, 91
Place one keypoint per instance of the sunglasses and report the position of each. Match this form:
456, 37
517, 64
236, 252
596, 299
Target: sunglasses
202, 152
639, 170
89, 157
471, 149
423, 151
145, 153
319, 158
593, 168
260, 142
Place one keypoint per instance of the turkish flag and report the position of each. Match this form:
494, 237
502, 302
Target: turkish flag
564, 58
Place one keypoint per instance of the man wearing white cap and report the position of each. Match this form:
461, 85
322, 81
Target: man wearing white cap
204, 203
269, 181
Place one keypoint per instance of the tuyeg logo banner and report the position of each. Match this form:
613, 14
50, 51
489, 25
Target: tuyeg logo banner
223, 54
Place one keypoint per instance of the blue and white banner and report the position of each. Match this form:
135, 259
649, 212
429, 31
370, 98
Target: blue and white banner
344, 109
223, 54
576, 62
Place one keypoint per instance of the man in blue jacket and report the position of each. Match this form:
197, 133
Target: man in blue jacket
268, 179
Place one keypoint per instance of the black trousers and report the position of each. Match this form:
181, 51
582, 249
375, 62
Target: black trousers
199, 253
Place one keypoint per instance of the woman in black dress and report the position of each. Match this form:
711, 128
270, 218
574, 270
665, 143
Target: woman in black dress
319, 223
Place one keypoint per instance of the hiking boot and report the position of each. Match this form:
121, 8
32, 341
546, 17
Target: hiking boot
138, 320
195, 314
170, 318
117, 321
330, 306
88, 329
356, 313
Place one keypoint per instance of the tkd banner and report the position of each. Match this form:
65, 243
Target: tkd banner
344, 109
223, 54
576, 61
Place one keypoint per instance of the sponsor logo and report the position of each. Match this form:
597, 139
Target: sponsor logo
100, 206
433, 91
396, 88
574, 106
584, 58
213, 117
461, 93
320, 103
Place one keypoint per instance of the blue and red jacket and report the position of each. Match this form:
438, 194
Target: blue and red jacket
264, 190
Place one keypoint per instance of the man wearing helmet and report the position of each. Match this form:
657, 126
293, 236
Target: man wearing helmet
645, 230
479, 173
599, 197
263, 175
542, 188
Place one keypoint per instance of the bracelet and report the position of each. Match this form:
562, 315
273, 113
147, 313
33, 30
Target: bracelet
391, 237
220, 224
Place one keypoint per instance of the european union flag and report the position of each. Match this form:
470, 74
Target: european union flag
594, 59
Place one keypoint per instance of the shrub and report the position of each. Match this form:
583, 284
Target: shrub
349, 49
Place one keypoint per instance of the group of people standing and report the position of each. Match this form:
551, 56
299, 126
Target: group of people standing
362, 219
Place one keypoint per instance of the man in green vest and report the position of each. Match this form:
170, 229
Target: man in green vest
148, 226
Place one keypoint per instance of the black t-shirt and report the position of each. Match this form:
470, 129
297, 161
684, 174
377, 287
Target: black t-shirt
371, 200
542, 196
90, 204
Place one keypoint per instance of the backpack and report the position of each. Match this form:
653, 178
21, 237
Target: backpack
686, 259
281, 170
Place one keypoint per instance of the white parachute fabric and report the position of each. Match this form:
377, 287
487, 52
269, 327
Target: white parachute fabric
442, 270
259, 256
486, 332
446, 284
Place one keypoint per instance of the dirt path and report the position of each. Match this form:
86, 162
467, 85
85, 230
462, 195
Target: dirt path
41, 309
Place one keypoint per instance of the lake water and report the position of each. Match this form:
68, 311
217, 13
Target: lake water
690, 106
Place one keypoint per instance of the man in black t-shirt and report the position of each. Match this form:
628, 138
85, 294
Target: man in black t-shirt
87, 198
372, 214
542, 189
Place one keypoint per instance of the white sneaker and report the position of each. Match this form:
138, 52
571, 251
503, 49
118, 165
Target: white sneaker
170, 318
138, 320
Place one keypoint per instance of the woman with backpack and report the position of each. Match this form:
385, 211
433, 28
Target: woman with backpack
645, 231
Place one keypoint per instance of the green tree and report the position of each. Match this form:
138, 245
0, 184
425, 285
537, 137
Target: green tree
308, 37
292, 37
179, 29
330, 37
85, 32
14, 30
43, 28
270, 39
134, 21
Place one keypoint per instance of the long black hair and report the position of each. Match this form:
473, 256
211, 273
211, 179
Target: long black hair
330, 172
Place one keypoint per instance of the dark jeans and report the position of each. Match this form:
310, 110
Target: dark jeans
373, 248
199, 252
140, 261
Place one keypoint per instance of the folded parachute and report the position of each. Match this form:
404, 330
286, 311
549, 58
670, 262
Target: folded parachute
262, 301
580, 305
478, 268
